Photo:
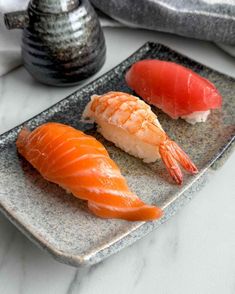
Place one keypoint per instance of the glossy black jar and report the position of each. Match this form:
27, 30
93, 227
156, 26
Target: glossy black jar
62, 42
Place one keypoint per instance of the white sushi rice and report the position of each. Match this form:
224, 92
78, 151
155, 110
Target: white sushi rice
123, 139
197, 116
128, 142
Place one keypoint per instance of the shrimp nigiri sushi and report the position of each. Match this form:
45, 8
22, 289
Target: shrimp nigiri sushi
175, 89
130, 124
81, 165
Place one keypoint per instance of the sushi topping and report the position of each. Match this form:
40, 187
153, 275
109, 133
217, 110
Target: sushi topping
173, 88
81, 165
131, 125
171, 153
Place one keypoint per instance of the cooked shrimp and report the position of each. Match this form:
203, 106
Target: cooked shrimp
130, 124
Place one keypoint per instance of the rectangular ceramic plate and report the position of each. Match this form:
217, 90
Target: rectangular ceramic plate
62, 224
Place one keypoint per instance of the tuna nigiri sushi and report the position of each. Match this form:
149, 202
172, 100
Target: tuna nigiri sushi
175, 89
130, 124
81, 165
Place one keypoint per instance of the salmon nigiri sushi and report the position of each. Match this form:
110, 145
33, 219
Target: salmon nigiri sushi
81, 165
175, 89
130, 124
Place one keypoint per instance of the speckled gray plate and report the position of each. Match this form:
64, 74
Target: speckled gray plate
60, 223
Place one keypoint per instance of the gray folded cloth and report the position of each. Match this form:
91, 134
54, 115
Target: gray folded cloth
212, 20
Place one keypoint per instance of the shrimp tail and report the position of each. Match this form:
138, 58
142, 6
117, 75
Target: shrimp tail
183, 159
171, 153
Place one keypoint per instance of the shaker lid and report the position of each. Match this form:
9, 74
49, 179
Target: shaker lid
54, 6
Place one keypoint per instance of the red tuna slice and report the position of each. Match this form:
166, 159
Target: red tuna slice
175, 89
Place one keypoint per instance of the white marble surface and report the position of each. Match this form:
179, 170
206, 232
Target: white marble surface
192, 253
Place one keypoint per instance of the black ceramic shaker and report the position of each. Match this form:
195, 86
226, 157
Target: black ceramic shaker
62, 41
